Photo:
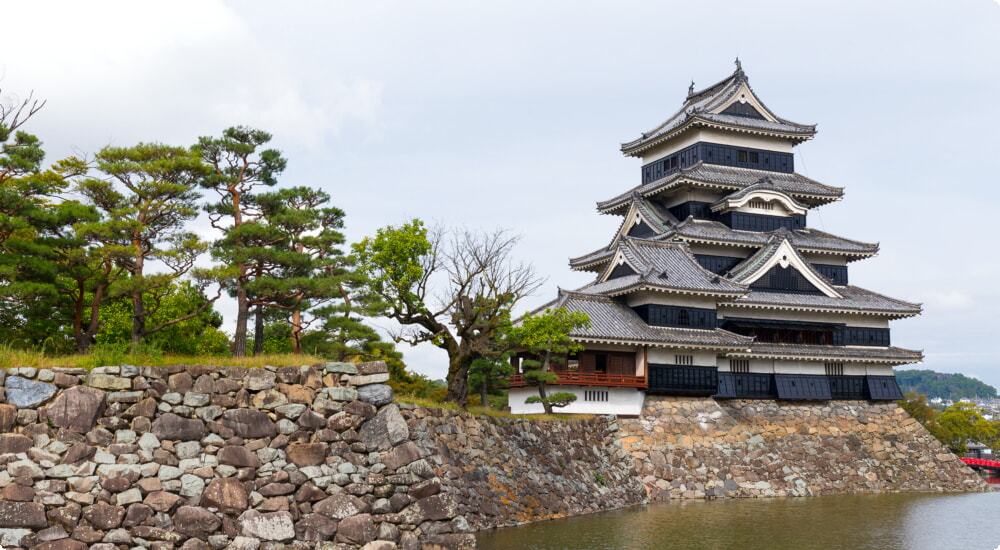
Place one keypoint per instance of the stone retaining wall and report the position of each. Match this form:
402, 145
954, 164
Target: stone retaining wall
197, 457
504, 472
703, 448
320, 458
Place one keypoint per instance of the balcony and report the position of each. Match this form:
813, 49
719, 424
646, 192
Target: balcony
587, 379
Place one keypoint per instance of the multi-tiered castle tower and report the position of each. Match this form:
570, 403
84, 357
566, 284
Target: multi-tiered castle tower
715, 284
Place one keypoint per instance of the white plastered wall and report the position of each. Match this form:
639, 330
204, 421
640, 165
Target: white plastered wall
625, 401
665, 356
715, 136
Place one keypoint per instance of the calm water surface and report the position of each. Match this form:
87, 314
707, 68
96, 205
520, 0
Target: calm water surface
876, 522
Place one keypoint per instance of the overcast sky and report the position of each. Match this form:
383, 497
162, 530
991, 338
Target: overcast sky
507, 113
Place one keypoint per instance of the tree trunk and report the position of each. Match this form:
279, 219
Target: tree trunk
258, 330
458, 377
297, 332
545, 399
138, 320
242, 313
484, 389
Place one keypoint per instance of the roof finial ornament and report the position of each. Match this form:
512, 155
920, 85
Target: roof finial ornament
739, 67
691, 88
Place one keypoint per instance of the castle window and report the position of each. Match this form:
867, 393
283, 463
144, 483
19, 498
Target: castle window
686, 360
595, 395
739, 365
763, 205
754, 157
834, 369
741, 156
683, 318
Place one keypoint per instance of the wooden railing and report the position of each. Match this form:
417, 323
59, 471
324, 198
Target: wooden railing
587, 379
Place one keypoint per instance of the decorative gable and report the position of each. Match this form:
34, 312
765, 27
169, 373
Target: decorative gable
779, 266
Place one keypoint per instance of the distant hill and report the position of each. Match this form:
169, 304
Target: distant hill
943, 385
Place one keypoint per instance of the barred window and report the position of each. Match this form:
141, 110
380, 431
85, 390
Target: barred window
834, 369
684, 360
595, 395
739, 365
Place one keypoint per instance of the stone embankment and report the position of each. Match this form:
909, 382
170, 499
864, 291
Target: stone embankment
197, 457
320, 458
702, 448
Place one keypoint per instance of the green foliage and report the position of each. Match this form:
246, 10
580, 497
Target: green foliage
599, 478
536, 377
238, 164
393, 265
148, 196
943, 385
961, 424
546, 335
199, 335
956, 426
468, 314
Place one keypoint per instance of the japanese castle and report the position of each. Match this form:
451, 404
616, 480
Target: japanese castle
715, 284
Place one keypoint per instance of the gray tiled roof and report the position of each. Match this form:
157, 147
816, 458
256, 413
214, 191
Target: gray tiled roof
614, 321
664, 265
854, 300
697, 110
807, 240
727, 178
853, 354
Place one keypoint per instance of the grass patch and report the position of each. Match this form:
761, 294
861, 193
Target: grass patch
475, 410
100, 356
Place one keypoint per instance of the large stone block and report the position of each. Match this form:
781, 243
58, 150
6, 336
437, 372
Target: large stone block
238, 456
14, 443
365, 379
104, 517
228, 495
77, 409
315, 528
340, 506
385, 430
307, 454
372, 367
401, 455
357, 530
170, 427
30, 515
24, 393
195, 521
276, 526
260, 379
376, 394
108, 382
249, 423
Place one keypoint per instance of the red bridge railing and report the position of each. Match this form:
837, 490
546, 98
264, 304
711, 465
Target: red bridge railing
587, 379
981, 463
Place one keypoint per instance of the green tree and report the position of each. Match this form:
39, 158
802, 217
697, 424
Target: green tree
197, 335
547, 337
148, 196
480, 284
302, 263
239, 164
962, 423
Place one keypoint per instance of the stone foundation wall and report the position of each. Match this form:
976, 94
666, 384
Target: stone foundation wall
320, 458
197, 457
702, 448
504, 472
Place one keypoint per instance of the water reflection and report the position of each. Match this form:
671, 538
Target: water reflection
876, 522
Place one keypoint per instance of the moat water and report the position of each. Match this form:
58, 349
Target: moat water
856, 522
